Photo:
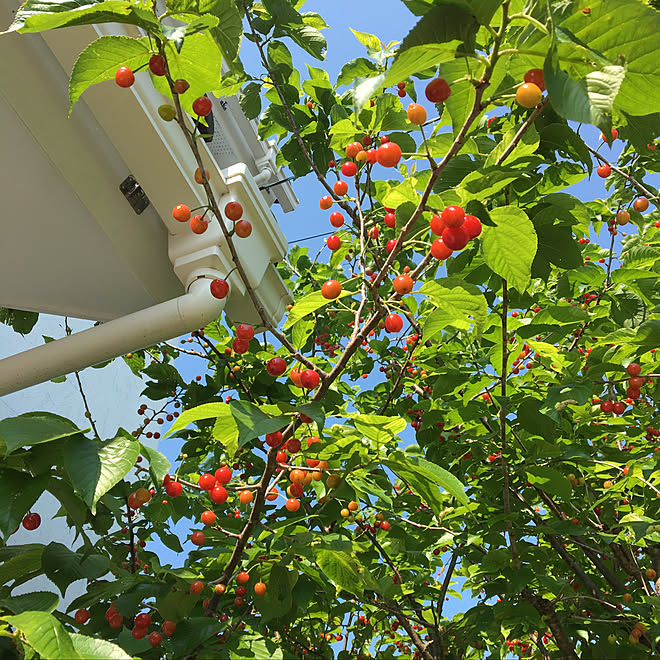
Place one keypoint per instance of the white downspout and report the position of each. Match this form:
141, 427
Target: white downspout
103, 342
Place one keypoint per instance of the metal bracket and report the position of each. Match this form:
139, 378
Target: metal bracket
277, 183
134, 194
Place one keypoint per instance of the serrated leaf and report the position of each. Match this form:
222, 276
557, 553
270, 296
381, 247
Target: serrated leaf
509, 247
309, 304
45, 634
92, 648
550, 481
39, 15
458, 304
159, 466
62, 566
44, 601
342, 569
33, 428
95, 467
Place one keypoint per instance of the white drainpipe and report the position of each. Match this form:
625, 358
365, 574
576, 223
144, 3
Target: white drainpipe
103, 342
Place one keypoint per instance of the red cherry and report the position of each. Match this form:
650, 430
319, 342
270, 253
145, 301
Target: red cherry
292, 504
453, 216
353, 149
340, 188
455, 238
634, 369
223, 475
281, 457
233, 211
606, 406
244, 331
219, 289
618, 408
276, 366
169, 627
31, 521
81, 616
116, 620
372, 156
336, 219
174, 489
208, 518
331, 289
437, 225
274, 439
198, 224
390, 245
243, 228
604, 171
198, 538
325, 202
333, 242
155, 638
389, 154
218, 495
181, 213
393, 323
206, 482
309, 379
240, 346
242, 577
181, 86
349, 168
384, 525
157, 65
197, 587
472, 226
139, 632
202, 106
390, 220
535, 76
403, 284
143, 620
124, 77
437, 91
439, 250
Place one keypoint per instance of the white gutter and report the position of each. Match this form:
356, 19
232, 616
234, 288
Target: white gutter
103, 342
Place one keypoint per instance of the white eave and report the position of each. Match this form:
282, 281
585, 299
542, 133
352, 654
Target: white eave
71, 243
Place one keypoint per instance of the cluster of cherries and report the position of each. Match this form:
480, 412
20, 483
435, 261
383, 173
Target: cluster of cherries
455, 229
632, 393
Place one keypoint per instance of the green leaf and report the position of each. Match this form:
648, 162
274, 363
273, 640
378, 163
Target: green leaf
635, 37
550, 481
228, 33
309, 304
301, 331
252, 422
378, 427
422, 476
458, 304
39, 15
44, 601
558, 246
191, 633
342, 569
159, 466
509, 247
199, 62
488, 181
95, 467
45, 634
250, 100
92, 648
34, 428
27, 561
20, 320
360, 67
62, 566
175, 605
527, 146
590, 100
419, 58
534, 421
442, 24
277, 601
18, 492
